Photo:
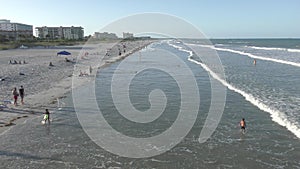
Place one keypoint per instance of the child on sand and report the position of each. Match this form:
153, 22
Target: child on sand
47, 116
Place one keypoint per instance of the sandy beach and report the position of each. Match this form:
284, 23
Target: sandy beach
44, 84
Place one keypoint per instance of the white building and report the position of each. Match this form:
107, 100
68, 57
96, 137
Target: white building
60, 32
127, 35
15, 31
105, 35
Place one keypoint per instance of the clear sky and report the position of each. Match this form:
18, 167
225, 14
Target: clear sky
215, 18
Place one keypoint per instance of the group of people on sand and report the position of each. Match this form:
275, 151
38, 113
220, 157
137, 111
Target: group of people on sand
17, 93
86, 74
21, 92
15, 62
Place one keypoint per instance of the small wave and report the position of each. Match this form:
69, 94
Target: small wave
277, 116
251, 55
238, 42
219, 44
293, 50
180, 48
269, 48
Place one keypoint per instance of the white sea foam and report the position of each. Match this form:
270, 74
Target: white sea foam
251, 55
276, 115
269, 48
293, 50
180, 48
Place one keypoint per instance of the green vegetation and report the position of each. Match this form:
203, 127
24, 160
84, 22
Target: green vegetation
4, 45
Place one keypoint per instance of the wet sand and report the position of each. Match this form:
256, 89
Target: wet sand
44, 84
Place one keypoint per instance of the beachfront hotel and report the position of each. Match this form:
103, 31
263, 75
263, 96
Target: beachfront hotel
60, 32
105, 35
127, 35
15, 31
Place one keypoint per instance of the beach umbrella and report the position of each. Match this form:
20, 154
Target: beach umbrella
63, 53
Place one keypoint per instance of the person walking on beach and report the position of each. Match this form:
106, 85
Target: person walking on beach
243, 125
21, 92
47, 116
91, 70
15, 95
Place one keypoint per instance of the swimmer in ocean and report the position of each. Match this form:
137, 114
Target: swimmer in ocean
243, 125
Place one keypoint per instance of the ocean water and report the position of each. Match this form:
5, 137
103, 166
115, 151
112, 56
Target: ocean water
267, 95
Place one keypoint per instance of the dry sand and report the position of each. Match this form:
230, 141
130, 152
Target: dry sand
44, 84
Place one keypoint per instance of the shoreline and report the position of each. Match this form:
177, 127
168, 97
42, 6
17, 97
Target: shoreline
37, 101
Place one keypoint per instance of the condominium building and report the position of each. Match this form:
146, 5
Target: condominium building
15, 31
60, 32
127, 35
105, 35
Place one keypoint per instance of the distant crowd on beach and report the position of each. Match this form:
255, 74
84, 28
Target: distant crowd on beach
16, 62
16, 93
86, 74
108, 51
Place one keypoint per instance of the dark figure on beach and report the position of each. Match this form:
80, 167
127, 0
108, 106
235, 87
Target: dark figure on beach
47, 116
67, 60
91, 70
124, 48
15, 95
21, 92
120, 52
243, 125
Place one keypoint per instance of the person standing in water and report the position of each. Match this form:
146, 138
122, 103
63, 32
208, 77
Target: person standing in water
21, 92
243, 125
